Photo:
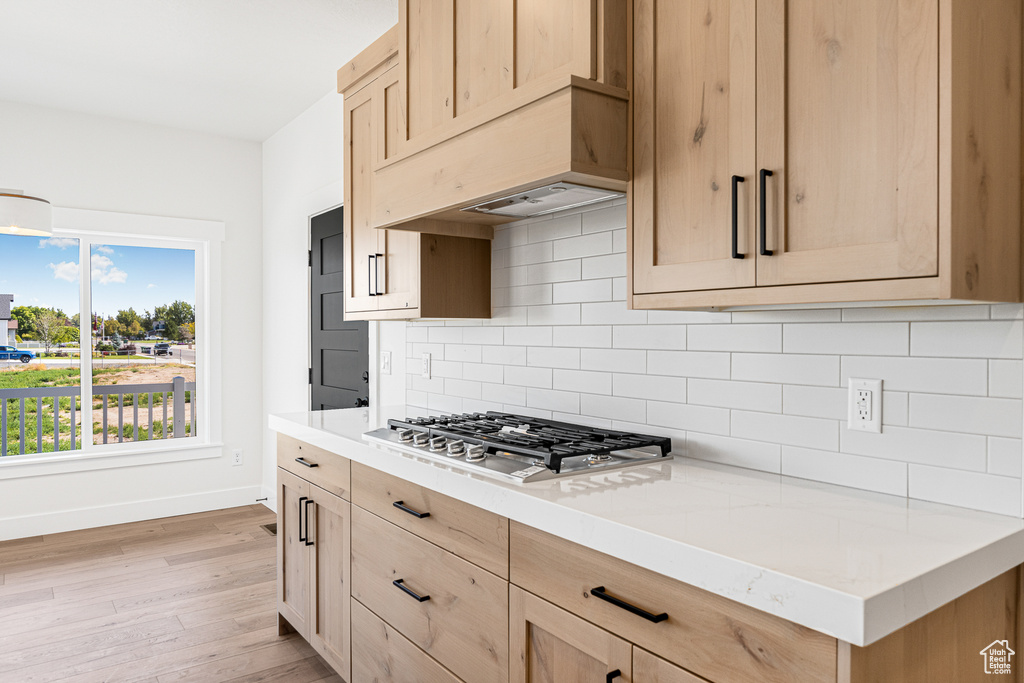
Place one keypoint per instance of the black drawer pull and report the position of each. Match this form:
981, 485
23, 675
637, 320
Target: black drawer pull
419, 515
371, 272
764, 212
309, 537
736, 180
401, 584
302, 539
599, 593
303, 461
612, 675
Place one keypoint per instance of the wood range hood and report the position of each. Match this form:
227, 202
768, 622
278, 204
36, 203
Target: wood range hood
479, 102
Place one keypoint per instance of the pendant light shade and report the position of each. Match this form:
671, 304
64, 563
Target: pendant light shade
23, 215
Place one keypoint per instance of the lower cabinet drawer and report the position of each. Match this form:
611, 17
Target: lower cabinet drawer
380, 654
329, 471
450, 608
650, 669
712, 636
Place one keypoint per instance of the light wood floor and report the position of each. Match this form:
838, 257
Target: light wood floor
187, 598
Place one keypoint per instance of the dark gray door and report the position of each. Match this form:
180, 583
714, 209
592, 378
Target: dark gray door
340, 348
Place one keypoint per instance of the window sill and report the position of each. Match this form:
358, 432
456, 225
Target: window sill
110, 456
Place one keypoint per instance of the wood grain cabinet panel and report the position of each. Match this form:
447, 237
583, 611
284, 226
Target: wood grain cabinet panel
462, 620
877, 143
467, 531
327, 470
380, 654
650, 669
292, 556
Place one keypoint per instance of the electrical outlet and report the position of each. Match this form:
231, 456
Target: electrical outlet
385, 362
236, 457
426, 366
865, 411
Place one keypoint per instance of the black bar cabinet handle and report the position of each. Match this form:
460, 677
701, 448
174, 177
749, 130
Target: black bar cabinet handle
401, 584
371, 272
303, 461
612, 675
599, 593
764, 212
376, 273
400, 504
736, 180
302, 539
309, 538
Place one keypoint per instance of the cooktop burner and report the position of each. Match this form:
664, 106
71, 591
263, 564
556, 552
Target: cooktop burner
520, 448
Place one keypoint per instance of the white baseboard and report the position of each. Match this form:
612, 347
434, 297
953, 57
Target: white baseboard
271, 498
135, 511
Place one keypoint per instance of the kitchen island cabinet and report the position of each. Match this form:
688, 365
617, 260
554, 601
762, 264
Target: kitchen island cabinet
825, 151
760, 577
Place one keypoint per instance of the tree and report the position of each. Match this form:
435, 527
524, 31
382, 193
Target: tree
49, 323
174, 316
26, 317
127, 318
67, 335
188, 331
111, 327
135, 329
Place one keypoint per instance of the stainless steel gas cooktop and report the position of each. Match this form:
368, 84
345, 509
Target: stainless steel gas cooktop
517, 448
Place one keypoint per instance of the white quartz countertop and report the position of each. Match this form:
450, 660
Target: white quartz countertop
852, 564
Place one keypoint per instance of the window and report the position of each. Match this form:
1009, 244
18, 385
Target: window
132, 375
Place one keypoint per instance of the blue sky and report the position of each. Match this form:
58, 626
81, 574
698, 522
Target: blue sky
44, 272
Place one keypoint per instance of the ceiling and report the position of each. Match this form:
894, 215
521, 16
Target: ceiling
240, 68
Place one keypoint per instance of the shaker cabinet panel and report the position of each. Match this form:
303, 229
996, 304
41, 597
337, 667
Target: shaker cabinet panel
360, 237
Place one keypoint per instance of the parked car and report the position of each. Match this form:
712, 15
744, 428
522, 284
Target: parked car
11, 353
162, 349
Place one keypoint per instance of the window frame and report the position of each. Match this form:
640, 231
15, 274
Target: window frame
100, 228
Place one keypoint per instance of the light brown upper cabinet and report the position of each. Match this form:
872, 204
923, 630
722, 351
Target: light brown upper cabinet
399, 273
814, 151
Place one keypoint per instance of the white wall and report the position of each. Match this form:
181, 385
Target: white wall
303, 170
82, 161
759, 389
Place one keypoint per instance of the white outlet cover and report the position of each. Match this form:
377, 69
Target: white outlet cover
385, 362
872, 421
426, 366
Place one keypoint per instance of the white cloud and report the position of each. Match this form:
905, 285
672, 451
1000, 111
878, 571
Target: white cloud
105, 250
59, 242
105, 273
65, 270
150, 286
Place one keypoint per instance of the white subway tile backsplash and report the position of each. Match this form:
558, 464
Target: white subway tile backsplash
926, 375
584, 381
1004, 456
581, 291
873, 474
614, 407
599, 220
1005, 378
583, 336
553, 357
733, 337
688, 417
966, 414
612, 265
578, 247
741, 395
528, 336
651, 387
553, 271
786, 368
648, 337
548, 399
758, 388
862, 339
942, 449
986, 492
558, 314
755, 455
786, 429
706, 364
980, 339
611, 360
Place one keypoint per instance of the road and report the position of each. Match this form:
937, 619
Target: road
179, 354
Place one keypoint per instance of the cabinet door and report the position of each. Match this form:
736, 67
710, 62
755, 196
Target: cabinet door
329, 531
399, 269
847, 123
549, 645
292, 553
650, 669
694, 124
360, 237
